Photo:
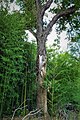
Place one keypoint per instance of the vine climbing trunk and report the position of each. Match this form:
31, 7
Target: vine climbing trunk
41, 73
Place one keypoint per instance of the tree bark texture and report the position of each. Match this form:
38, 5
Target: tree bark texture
41, 73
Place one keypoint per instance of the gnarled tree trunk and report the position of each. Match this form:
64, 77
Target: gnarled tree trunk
41, 73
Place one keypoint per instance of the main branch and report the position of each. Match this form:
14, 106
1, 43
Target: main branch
64, 13
39, 17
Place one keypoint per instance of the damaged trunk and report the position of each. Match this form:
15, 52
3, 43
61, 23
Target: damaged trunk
41, 73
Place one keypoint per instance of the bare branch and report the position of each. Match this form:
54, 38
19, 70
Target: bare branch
34, 34
19, 108
64, 13
46, 6
34, 112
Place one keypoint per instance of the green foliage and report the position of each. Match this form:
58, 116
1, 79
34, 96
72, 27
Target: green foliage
74, 48
63, 75
71, 23
17, 64
29, 9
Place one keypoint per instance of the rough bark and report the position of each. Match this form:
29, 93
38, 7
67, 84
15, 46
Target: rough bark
41, 72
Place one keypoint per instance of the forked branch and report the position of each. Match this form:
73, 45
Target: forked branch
46, 6
19, 108
64, 13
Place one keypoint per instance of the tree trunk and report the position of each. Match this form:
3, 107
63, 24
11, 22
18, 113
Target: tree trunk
41, 72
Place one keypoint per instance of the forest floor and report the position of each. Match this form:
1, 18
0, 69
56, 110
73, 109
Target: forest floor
20, 118
17, 118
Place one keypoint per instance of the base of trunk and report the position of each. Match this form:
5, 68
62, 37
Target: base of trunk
42, 102
46, 116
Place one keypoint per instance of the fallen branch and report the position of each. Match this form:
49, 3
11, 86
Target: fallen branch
34, 112
19, 108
